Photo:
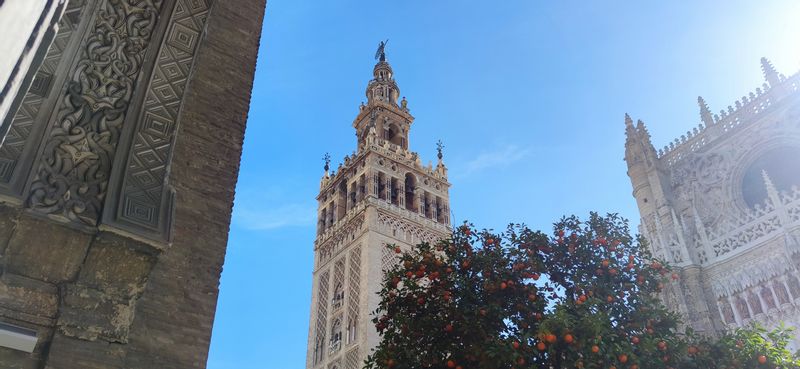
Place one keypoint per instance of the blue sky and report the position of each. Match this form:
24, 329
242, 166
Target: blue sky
528, 97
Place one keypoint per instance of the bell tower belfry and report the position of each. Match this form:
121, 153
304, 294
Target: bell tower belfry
380, 194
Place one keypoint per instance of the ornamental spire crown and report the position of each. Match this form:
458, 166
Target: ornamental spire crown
383, 117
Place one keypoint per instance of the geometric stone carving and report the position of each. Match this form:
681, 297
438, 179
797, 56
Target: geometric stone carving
140, 199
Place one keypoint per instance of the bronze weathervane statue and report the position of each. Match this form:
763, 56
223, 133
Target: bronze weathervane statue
381, 54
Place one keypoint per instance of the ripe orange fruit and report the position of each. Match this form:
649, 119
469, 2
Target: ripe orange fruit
605, 263
762, 359
541, 346
550, 338
691, 350
515, 344
623, 358
451, 364
595, 349
635, 340
568, 338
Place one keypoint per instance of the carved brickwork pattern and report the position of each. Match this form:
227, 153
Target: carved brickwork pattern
388, 258
418, 234
338, 280
72, 176
354, 290
322, 311
339, 237
351, 359
146, 168
17, 138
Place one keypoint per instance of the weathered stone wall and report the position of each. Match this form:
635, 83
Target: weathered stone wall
100, 297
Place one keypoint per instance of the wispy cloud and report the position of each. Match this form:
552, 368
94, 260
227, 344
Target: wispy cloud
269, 210
495, 159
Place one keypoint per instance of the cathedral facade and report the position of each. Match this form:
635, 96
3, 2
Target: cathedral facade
381, 194
722, 205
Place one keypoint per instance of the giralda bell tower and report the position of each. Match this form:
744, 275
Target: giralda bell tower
381, 194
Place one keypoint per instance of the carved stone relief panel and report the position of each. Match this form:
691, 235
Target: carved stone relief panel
140, 198
71, 177
26, 125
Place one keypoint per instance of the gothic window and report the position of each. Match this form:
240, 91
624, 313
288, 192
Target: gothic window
362, 188
780, 291
411, 186
338, 296
439, 210
741, 306
382, 186
781, 165
389, 133
336, 335
395, 192
428, 208
351, 331
342, 199
766, 295
352, 196
754, 303
727, 311
794, 287
323, 216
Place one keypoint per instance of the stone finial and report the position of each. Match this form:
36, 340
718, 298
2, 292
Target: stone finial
404, 104
705, 113
770, 74
439, 147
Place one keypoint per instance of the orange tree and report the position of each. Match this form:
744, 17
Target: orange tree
584, 296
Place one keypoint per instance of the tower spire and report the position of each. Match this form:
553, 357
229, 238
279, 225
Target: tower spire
770, 74
705, 113
630, 131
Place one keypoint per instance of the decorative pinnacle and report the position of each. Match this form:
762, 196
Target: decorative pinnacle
439, 147
327, 160
630, 131
771, 190
705, 113
770, 74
